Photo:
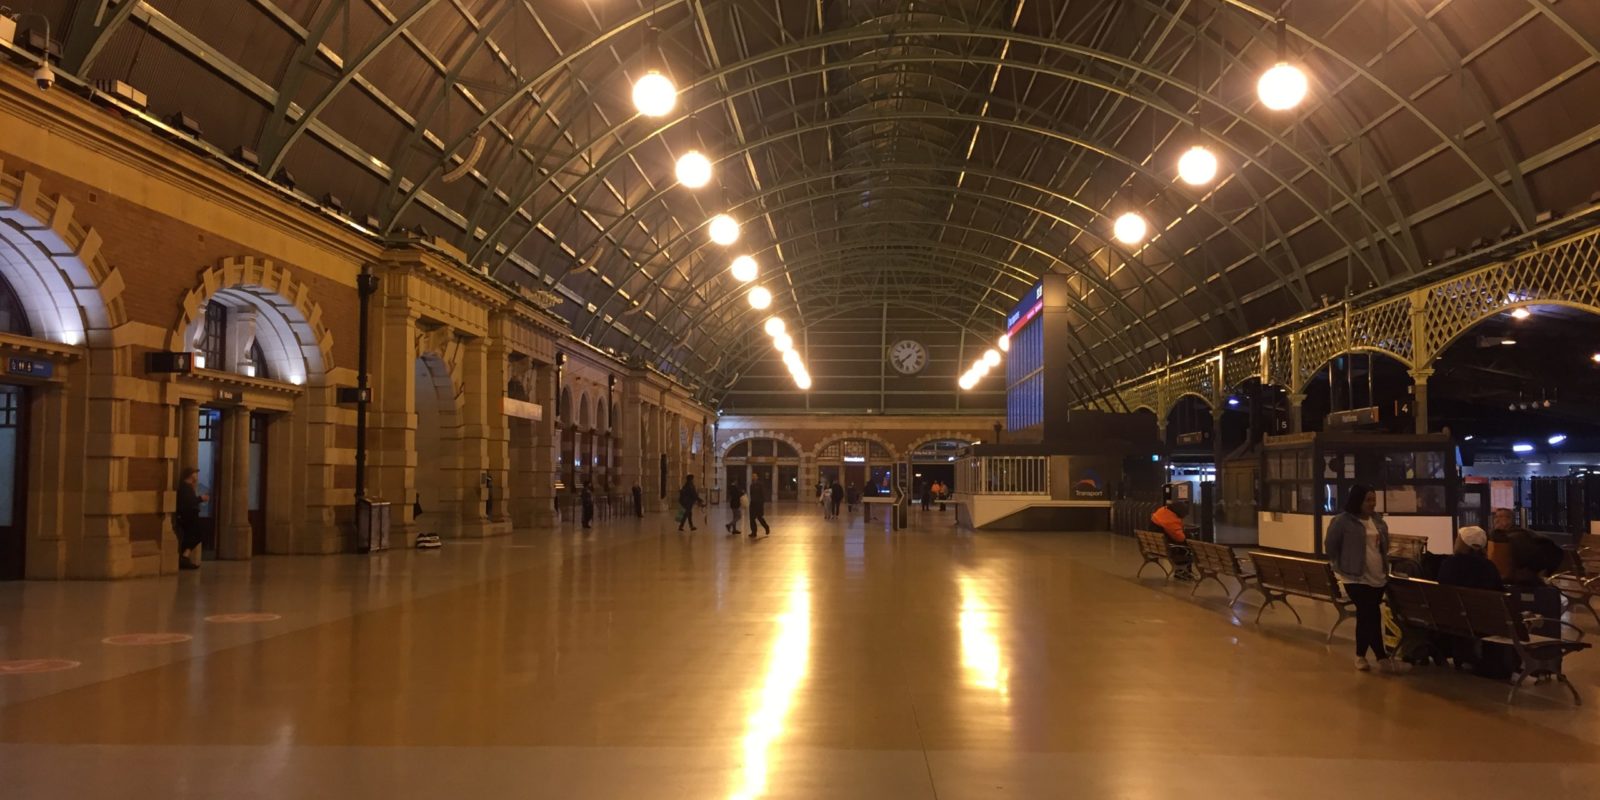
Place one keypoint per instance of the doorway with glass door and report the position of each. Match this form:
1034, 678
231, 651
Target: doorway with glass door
13, 481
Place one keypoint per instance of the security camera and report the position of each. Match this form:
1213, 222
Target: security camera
45, 77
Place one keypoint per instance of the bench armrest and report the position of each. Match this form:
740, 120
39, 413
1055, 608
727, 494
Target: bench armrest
1530, 618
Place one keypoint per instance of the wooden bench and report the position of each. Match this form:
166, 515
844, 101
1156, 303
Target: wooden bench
1486, 616
1153, 549
1579, 579
1213, 561
1278, 577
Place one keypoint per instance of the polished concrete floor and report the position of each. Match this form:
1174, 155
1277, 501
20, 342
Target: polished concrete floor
831, 660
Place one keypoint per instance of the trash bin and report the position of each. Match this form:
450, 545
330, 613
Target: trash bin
372, 524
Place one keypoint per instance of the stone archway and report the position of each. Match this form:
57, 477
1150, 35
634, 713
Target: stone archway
289, 324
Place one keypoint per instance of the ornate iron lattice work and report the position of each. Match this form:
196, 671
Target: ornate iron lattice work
1567, 272
1385, 327
1240, 366
1314, 345
1197, 378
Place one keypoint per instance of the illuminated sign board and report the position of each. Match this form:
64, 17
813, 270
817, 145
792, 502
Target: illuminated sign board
1032, 303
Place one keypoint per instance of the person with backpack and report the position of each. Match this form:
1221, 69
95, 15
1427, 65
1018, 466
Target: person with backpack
688, 498
758, 507
735, 494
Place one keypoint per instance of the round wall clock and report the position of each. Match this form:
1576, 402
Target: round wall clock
908, 357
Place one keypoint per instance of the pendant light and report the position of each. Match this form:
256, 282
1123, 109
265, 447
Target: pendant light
1130, 228
693, 169
724, 230
744, 269
1283, 85
654, 94
774, 326
760, 297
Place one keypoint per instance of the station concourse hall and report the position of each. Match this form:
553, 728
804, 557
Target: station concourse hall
802, 399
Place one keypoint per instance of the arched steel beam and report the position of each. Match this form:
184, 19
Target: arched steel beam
713, 334
1180, 300
88, 32
1027, 128
1132, 258
1375, 228
275, 139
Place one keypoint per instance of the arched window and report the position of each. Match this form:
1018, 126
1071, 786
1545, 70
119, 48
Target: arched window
13, 319
939, 451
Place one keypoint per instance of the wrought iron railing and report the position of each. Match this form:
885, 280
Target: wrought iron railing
1003, 475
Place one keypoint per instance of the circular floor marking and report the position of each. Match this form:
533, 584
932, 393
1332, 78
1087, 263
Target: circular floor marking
139, 639
29, 666
244, 617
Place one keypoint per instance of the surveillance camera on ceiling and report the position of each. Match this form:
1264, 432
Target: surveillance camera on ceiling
45, 77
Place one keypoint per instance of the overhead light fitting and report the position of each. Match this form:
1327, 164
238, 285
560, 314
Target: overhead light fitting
744, 269
1508, 342
1130, 228
724, 230
1556, 439
1595, 358
1521, 313
774, 326
694, 169
654, 95
1522, 447
760, 298
1197, 166
783, 342
1005, 345
1284, 85
991, 357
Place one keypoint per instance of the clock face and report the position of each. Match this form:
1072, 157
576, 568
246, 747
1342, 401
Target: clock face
908, 357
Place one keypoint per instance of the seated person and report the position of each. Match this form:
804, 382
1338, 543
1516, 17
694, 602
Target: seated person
1533, 558
1470, 566
1169, 520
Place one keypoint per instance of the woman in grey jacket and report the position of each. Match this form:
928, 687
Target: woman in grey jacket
1357, 544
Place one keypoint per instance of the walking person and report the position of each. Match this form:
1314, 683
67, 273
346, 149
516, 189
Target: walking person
835, 498
688, 498
1357, 544
638, 501
586, 498
758, 507
187, 518
735, 494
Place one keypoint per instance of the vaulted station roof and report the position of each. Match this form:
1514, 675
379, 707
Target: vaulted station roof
902, 168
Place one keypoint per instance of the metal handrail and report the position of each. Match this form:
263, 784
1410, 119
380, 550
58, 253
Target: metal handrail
1005, 475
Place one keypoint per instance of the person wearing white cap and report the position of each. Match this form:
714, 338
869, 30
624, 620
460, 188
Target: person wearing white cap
1470, 565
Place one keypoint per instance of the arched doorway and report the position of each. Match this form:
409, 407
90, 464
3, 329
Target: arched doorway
13, 449
774, 462
855, 463
935, 462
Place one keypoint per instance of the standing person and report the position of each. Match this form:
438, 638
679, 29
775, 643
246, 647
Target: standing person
586, 498
1501, 523
638, 501
735, 494
187, 518
835, 497
758, 507
688, 498
1357, 544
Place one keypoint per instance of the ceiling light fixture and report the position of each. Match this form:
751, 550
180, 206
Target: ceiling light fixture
1508, 342
744, 269
1197, 166
1595, 358
783, 342
724, 230
760, 298
1521, 313
694, 169
1004, 343
654, 94
1556, 439
1130, 228
1283, 85
774, 326
991, 357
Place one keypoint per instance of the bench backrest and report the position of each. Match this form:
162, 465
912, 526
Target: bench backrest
1303, 576
1474, 613
1212, 557
1151, 543
1409, 603
1444, 605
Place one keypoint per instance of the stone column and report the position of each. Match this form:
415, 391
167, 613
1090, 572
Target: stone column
234, 535
629, 467
497, 429
473, 450
392, 415
1296, 423
544, 448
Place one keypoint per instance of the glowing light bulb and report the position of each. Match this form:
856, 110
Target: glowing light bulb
991, 357
724, 230
803, 381
694, 169
744, 269
1197, 166
1130, 228
760, 298
1521, 313
1282, 87
1005, 343
774, 326
654, 95
783, 342
791, 359
968, 380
